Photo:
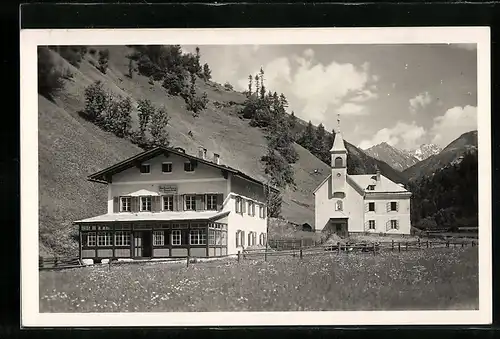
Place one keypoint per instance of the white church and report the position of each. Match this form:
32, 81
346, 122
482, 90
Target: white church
346, 204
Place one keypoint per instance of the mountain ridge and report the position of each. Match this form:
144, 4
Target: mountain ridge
465, 143
396, 158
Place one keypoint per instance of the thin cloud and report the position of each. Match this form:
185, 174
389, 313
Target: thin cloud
420, 101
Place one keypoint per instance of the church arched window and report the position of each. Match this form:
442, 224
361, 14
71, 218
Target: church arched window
338, 162
338, 205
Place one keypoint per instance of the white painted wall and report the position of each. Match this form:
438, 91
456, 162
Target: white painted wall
381, 216
195, 186
354, 208
243, 222
325, 207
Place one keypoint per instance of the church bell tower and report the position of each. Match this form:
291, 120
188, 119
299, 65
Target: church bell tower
338, 154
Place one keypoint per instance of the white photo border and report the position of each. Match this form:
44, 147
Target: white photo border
31, 38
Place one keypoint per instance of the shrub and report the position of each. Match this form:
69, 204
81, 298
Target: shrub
174, 83
157, 127
117, 117
49, 77
228, 87
103, 60
96, 101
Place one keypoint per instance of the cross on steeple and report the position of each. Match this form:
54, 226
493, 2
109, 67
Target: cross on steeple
338, 122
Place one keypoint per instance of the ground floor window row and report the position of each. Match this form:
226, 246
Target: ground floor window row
176, 237
392, 224
251, 239
148, 226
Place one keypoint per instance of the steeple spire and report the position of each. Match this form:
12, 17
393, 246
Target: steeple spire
338, 143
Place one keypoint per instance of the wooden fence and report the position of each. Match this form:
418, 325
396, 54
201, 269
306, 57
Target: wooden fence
372, 248
58, 262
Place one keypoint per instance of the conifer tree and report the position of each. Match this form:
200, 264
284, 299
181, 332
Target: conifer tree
262, 87
257, 84
307, 139
250, 80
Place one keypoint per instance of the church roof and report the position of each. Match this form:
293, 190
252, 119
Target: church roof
362, 181
338, 144
385, 185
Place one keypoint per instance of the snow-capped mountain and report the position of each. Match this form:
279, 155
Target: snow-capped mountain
424, 151
451, 155
396, 158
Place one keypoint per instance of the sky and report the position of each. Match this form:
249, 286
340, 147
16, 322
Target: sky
405, 95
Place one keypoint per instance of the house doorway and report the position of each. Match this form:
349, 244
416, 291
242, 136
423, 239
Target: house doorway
142, 244
338, 227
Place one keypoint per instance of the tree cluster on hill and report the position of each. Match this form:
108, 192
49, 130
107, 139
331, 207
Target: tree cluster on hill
176, 70
448, 198
73, 54
317, 141
50, 77
113, 114
267, 110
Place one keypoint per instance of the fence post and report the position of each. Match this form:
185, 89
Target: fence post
187, 261
447, 244
301, 253
109, 264
399, 246
462, 243
407, 246
338, 247
239, 255
427, 242
454, 245
472, 243
373, 245
418, 242
392, 245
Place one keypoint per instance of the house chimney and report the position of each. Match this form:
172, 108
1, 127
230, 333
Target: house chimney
204, 153
201, 154
378, 175
217, 158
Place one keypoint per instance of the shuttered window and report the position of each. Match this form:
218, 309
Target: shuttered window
125, 204
371, 224
394, 206
145, 204
168, 202
371, 207
190, 202
212, 202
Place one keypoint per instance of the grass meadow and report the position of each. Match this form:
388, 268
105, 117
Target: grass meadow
434, 279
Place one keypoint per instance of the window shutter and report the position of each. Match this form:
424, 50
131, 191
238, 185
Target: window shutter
243, 238
155, 204
397, 205
243, 206
175, 199
135, 204
367, 208
397, 224
183, 201
237, 238
200, 202
388, 205
116, 204
388, 225
367, 225
219, 202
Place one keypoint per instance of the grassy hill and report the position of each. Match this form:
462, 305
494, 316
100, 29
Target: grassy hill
71, 148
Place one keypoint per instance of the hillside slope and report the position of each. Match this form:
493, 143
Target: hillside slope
467, 142
394, 157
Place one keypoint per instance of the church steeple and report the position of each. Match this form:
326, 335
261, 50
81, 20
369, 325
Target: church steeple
338, 143
338, 154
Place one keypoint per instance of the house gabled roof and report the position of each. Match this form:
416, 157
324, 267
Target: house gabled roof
101, 176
